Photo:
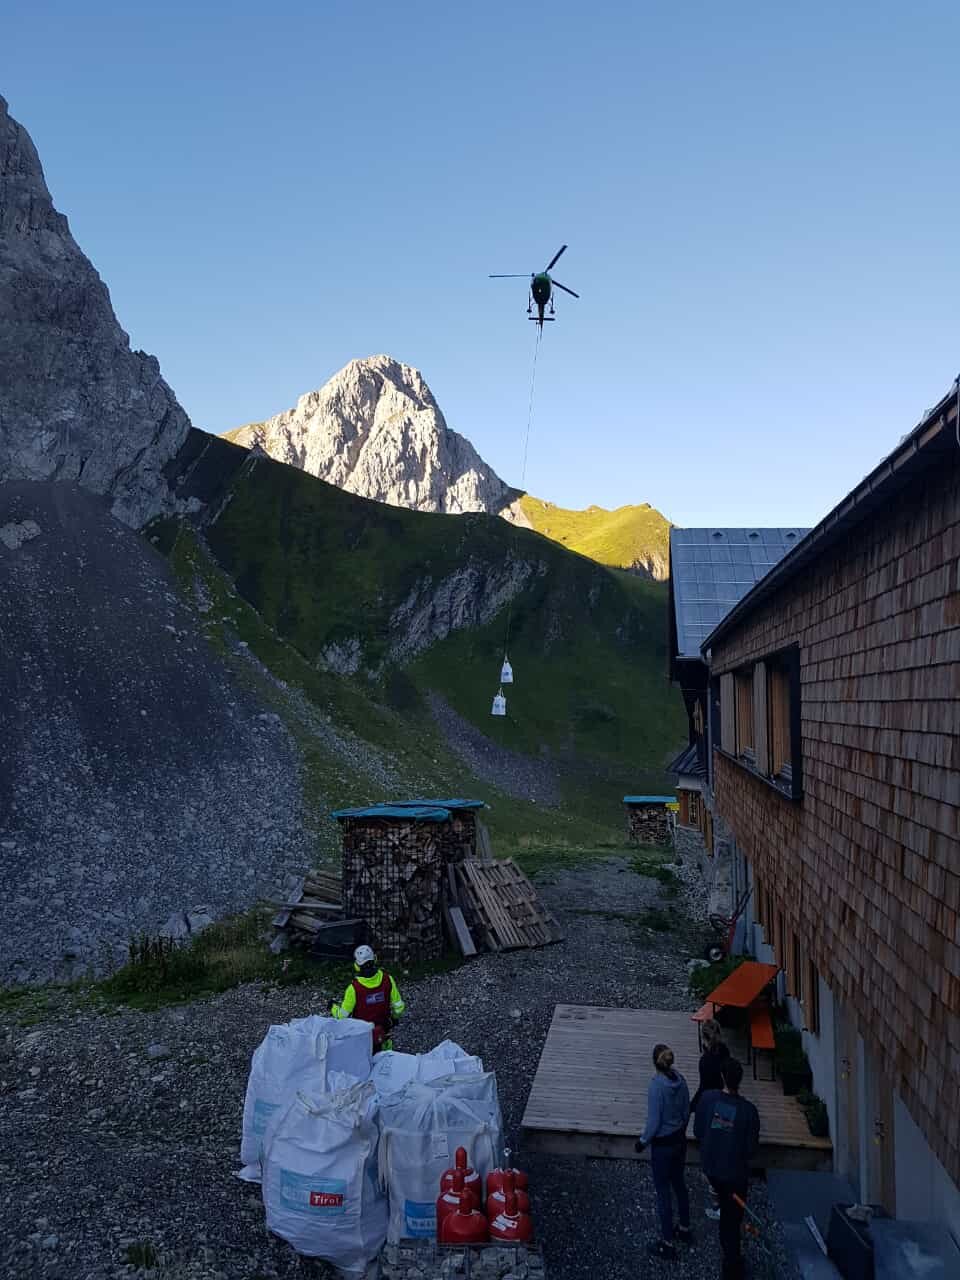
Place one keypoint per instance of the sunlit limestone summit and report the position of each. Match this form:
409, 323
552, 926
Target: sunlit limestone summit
375, 429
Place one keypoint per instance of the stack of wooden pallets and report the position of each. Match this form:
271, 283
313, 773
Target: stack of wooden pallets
500, 906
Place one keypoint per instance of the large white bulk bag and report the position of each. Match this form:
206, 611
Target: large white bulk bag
420, 1130
391, 1071
320, 1187
306, 1050
445, 1060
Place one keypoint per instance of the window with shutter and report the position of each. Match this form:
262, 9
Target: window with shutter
811, 1002
744, 703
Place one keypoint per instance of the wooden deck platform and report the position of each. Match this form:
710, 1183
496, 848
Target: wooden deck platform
589, 1095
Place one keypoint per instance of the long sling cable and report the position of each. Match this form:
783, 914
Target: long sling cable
523, 480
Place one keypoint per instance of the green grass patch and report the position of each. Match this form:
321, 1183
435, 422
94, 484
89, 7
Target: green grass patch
658, 920
142, 1254
620, 538
232, 951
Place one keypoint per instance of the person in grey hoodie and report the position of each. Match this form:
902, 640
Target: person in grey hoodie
665, 1133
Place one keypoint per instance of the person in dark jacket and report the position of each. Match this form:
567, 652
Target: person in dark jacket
665, 1133
715, 1054
727, 1128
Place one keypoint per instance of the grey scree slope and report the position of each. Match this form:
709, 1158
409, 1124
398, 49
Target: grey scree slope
135, 778
75, 402
711, 569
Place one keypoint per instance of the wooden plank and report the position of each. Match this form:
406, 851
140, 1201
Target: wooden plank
309, 905
283, 915
461, 932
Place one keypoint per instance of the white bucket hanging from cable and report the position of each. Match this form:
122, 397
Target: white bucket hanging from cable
499, 707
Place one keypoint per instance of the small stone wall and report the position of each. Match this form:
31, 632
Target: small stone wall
689, 844
425, 1260
647, 824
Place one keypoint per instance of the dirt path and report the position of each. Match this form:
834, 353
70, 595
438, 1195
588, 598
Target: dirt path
107, 1144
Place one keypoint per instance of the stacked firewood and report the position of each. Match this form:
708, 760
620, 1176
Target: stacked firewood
393, 875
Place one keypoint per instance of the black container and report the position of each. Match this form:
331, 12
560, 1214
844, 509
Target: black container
849, 1244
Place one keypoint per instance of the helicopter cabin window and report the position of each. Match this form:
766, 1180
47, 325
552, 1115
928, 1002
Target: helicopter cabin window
743, 686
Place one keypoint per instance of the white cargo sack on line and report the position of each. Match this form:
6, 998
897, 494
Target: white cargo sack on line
420, 1130
320, 1188
298, 1054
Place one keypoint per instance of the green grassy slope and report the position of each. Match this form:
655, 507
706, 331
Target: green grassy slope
294, 565
620, 538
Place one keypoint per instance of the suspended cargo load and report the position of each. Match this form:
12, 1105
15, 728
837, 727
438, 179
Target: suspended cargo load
506, 672
499, 705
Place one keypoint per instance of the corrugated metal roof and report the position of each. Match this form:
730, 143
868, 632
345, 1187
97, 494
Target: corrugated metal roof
689, 762
711, 569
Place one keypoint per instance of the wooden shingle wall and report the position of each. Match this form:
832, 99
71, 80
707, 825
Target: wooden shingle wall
866, 868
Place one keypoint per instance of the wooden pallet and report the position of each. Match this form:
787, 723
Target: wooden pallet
502, 906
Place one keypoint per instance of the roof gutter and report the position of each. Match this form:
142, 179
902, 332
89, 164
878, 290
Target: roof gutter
893, 473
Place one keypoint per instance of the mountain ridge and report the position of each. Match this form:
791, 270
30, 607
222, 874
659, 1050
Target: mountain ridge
375, 429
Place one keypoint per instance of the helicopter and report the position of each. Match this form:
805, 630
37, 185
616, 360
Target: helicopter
542, 285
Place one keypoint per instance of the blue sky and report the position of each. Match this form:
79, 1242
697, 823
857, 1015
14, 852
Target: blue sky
760, 202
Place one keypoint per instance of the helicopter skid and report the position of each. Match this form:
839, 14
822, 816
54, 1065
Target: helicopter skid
537, 320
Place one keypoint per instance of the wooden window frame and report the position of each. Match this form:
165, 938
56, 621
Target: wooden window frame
795, 966
744, 708
811, 1003
755, 688
694, 807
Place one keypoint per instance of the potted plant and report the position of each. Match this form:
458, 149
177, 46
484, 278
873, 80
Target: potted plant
815, 1109
790, 1061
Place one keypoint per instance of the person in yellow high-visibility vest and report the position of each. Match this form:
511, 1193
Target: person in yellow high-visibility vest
373, 996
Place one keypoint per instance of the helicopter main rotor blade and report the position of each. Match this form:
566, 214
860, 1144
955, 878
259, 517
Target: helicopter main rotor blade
557, 285
525, 275
550, 264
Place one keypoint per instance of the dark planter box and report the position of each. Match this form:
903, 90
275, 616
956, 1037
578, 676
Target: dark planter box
849, 1244
795, 1080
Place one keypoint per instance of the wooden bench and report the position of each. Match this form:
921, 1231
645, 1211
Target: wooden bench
761, 1037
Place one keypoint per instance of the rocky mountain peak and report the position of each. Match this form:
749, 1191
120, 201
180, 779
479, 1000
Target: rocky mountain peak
376, 430
75, 402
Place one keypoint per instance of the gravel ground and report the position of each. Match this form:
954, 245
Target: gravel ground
122, 1129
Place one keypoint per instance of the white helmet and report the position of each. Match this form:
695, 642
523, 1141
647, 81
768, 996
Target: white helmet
364, 955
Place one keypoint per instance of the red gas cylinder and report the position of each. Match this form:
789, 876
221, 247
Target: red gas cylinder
497, 1200
471, 1179
495, 1177
510, 1225
465, 1225
449, 1201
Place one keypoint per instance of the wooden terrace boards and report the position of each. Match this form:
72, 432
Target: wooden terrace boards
589, 1095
